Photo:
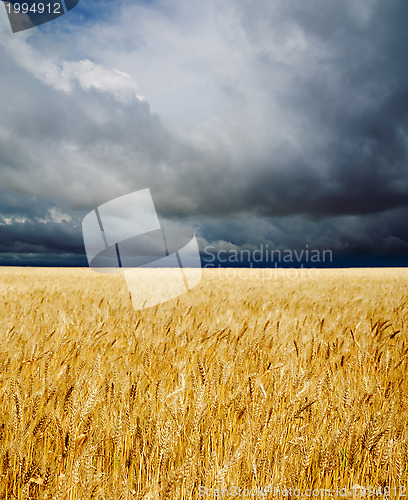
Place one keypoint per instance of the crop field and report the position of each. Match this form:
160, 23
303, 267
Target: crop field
249, 386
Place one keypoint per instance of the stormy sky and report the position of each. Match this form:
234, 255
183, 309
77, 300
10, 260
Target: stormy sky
257, 123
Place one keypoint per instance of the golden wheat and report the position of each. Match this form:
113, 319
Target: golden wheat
244, 381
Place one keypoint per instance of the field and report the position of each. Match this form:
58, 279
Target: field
250, 381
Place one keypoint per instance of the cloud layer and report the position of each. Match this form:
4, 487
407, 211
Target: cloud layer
258, 123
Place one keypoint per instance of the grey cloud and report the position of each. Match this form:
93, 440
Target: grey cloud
308, 143
376, 234
29, 237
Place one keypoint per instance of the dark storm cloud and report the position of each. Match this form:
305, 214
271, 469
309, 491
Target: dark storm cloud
386, 232
340, 139
307, 144
40, 237
351, 101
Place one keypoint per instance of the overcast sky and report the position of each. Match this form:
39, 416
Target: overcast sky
268, 122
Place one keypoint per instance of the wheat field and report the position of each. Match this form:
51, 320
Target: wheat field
248, 386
